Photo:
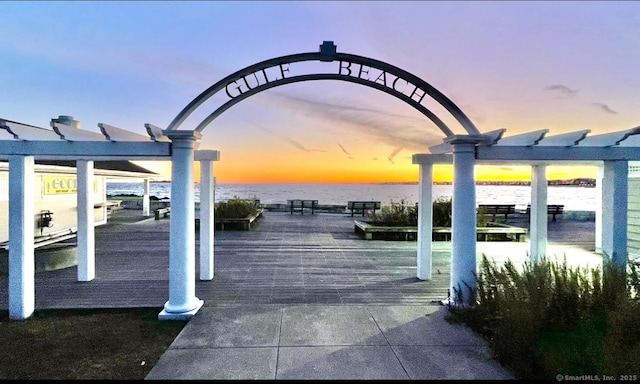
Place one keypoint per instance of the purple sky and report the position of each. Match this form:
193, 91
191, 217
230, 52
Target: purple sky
522, 66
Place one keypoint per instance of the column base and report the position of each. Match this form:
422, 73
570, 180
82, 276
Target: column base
186, 315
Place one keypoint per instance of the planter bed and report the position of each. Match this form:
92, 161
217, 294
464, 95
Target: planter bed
493, 232
243, 224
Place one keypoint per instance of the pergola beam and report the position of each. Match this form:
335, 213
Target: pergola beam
573, 154
51, 149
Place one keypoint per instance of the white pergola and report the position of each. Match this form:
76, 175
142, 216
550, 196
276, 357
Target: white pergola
610, 152
21, 144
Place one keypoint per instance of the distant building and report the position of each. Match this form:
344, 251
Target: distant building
56, 199
633, 223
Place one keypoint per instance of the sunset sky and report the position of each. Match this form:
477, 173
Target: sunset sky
523, 66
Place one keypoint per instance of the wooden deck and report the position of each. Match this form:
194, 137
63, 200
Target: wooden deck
310, 259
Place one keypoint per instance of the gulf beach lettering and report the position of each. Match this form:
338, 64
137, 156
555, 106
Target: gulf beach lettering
263, 76
379, 76
256, 79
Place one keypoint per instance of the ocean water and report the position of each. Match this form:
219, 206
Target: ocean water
573, 198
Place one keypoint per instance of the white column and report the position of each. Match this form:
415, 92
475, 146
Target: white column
425, 222
145, 198
614, 212
183, 303
22, 293
598, 209
206, 158
463, 221
85, 218
538, 213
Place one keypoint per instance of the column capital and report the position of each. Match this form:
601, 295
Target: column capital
465, 139
430, 158
177, 134
207, 155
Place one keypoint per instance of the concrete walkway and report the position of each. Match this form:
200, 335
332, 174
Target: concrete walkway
302, 297
326, 342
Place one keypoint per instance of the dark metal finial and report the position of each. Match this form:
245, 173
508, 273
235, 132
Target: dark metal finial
328, 48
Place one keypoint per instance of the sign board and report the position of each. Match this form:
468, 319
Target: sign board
62, 184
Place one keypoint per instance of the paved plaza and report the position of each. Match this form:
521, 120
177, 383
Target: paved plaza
298, 297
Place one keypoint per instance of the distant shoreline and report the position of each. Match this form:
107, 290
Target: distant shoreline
580, 182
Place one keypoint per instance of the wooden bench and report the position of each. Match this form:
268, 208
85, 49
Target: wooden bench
162, 212
484, 233
552, 209
497, 209
300, 205
362, 206
494, 231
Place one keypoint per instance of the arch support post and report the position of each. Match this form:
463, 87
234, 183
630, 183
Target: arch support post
85, 214
146, 211
22, 293
425, 222
538, 214
598, 208
183, 303
207, 211
463, 221
424, 262
614, 212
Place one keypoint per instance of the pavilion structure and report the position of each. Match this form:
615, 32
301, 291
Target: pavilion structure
610, 152
21, 144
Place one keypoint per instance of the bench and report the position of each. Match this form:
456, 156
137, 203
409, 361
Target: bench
49, 238
485, 233
362, 206
497, 209
493, 232
162, 212
552, 209
300, 205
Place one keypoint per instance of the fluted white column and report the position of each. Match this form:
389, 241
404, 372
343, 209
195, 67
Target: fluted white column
463, 221
538, 214
22, 293
425, 222
183, 303
85, 216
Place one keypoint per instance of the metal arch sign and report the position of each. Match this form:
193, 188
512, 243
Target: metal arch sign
346, 67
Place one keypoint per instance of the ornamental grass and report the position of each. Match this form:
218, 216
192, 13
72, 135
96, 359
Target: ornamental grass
548, 319
237, 208
404, 214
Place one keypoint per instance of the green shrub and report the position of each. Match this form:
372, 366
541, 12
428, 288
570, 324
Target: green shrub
548, 318
396, 214
442, 212
404, 214
237, 208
